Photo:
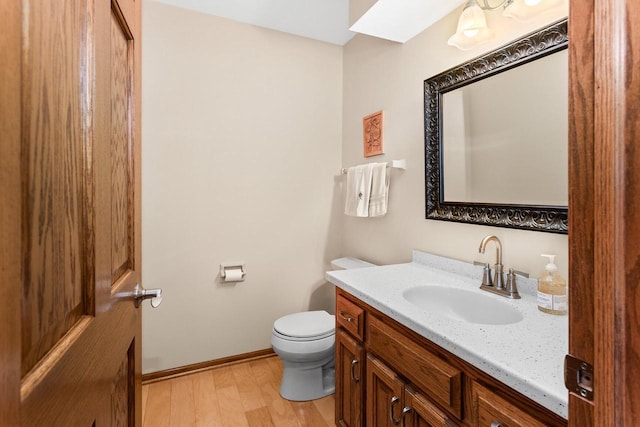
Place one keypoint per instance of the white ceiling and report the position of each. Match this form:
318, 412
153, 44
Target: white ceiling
325, 20
328, 20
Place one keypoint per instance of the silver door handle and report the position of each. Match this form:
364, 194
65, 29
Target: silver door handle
140, 294
354, 362
395, 421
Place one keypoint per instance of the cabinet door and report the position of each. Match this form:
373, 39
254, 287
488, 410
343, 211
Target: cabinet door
492, 410
349, 380
384, 396
419, 412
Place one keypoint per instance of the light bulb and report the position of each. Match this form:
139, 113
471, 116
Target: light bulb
532, 2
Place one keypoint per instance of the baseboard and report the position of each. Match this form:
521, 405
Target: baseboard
153, 377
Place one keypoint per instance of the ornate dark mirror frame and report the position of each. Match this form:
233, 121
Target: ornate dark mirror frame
528, 48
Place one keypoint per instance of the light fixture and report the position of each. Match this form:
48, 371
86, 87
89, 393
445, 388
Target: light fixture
525, 10
472, 28
472, 25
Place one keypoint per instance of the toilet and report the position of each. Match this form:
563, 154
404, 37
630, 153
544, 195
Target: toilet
305, 342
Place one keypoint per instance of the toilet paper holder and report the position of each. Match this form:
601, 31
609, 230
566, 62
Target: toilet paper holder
229, 271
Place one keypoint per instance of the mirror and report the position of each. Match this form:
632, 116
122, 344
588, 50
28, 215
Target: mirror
496, 131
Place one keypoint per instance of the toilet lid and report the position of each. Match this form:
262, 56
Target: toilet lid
308, 324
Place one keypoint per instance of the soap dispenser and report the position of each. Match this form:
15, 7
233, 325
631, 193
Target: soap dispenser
552, 289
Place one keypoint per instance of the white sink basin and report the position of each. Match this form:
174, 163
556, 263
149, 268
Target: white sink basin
463, 305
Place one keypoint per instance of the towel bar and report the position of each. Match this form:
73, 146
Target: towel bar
396, 164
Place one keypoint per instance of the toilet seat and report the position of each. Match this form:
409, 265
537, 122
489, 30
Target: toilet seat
305, 326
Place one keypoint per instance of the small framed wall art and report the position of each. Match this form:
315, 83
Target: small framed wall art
372, 126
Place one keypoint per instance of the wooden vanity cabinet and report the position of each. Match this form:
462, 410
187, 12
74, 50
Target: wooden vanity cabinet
390, 401
388, 375
350, 361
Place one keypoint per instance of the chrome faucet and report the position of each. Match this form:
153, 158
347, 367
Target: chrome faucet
497, 285
498, 278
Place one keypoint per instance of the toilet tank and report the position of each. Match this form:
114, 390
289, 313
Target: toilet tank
349, 263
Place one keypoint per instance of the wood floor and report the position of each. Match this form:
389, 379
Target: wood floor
240, 395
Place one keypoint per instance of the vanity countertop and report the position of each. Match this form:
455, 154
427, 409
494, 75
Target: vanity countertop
528, 356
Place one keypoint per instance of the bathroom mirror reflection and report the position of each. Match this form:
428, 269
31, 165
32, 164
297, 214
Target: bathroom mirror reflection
496, 131
504, 139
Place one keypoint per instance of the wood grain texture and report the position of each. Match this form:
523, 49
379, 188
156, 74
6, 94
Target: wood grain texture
220, 397
383, 386
441, 381
580, 411
268, 373
183, 411
350, 317
581, 180
120, 395
582, 214
308, 415
55, 91
205, 366
349, 380
605, 209
228, 397
157, 412
424, 413
121, 150
92, 367
207, 413
491, 408
617, 231
10, 213
629, 409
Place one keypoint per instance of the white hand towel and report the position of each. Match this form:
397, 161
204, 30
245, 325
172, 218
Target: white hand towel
379, 198
358, 190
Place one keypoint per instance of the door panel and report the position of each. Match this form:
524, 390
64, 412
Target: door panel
71, 214
122, 392
55, 134
349, 380
384, 394
121, 148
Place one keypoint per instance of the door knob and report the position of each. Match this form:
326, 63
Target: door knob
140, 294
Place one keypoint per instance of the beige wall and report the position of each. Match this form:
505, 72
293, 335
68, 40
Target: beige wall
244, 131
242, 145
382, 75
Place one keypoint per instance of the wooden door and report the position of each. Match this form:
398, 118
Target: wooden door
384, 396
420, 412
604, 201
349, 380
70, 148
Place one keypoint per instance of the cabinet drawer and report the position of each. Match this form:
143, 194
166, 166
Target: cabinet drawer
432, 375
350, 316
489, 409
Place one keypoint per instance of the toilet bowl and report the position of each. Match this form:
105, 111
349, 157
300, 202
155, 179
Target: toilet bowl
305, 342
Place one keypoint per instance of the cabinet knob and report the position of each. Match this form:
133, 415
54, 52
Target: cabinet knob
354, 362
346, 316
496, 424
395, 421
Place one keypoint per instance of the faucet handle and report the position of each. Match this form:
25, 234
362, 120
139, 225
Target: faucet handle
519, 273
511, 288
486, 273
